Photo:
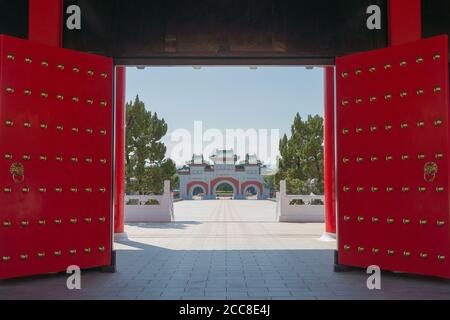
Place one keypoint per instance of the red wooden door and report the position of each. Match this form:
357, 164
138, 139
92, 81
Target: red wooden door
393, 158
55, 159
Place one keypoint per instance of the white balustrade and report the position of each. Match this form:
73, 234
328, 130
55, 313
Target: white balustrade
298, 208
150, 208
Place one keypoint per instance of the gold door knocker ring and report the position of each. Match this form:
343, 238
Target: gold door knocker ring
430, 170
17, 171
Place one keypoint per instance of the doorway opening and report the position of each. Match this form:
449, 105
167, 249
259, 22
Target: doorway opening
198, 193
224, 191
222, 130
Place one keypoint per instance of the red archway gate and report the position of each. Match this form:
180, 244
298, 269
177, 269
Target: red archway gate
393, 158
56, 164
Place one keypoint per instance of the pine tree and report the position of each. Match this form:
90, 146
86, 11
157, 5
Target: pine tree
301, 162
146, 166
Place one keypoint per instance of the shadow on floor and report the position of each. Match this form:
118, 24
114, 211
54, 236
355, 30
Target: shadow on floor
181, 225
150, 272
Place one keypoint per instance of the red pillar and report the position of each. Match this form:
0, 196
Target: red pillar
329, 156
45, 22
119, 177
405, 21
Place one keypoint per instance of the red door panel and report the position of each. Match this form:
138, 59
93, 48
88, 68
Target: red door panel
393, 158
56, 134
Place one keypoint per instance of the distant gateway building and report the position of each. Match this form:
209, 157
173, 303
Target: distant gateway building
201, 178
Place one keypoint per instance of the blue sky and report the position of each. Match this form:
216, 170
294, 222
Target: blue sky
228, 97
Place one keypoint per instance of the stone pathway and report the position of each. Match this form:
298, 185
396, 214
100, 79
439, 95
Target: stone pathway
225, 250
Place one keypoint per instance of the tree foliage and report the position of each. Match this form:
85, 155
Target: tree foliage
301, 162
269, 182
146, 166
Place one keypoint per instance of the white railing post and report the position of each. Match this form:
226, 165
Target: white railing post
283, 187
166, 186
282, 198
168, 196
277, 209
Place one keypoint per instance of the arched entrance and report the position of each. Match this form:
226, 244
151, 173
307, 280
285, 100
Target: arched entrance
234, 183
198, 192
225, 190
197, 189
252, 190
251, 193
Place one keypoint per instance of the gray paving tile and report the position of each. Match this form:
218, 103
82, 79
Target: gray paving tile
242, 255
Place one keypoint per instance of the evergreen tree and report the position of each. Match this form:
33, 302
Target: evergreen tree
301, 162
146, 166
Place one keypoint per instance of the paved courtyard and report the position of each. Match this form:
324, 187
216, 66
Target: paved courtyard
225, 250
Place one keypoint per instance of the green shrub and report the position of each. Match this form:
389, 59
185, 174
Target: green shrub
132, 202
297, 202
152, 202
